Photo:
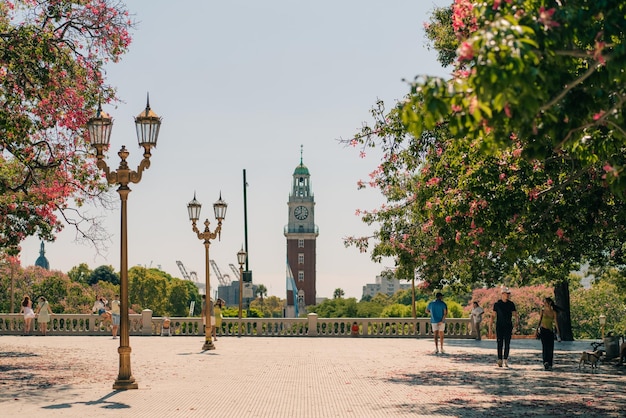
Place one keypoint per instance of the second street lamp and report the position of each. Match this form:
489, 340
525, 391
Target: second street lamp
241, 259
99, 127
219, 208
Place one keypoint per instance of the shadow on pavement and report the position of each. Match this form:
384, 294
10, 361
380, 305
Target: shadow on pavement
103, 402
522, 389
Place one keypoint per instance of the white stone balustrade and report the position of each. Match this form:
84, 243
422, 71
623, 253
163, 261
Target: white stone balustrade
312, 326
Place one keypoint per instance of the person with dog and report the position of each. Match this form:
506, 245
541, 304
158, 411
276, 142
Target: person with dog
438, 310
547, 323
504, 310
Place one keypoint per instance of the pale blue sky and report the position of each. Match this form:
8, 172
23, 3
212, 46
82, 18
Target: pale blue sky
241, 85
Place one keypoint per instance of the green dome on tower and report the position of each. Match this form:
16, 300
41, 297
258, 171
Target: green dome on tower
42, 261
301, 170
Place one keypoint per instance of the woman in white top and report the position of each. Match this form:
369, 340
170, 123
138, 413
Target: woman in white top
29, 314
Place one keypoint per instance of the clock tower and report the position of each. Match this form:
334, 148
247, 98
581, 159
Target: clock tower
301, 233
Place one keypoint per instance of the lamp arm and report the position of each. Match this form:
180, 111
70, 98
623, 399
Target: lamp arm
195, 229
218, 231
135, 176
102, 165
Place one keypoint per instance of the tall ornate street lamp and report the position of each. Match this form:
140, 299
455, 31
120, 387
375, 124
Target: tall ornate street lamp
219, 208
147, 124
241, 259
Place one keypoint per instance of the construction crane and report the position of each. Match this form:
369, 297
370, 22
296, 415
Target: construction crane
234, 269
218, 273
183, 270
194, 276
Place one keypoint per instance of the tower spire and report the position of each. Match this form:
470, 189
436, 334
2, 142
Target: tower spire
301, 152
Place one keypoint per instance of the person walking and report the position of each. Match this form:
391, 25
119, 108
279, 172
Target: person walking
203, 312
547, 323
29, 314
504, 310
219, 304
477, 318
438, 310
43, 315
115, 315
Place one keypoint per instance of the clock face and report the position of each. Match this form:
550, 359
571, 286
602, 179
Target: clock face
300, 212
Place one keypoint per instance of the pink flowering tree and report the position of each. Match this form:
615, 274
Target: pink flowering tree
474, 197
549, 73
51, 79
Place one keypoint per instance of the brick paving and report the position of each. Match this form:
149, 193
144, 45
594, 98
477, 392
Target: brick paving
301, 377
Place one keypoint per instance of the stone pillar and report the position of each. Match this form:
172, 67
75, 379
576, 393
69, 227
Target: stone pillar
312, 317
146, 322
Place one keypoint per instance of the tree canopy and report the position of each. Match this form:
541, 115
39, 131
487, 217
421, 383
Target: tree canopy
470, 199
51, 79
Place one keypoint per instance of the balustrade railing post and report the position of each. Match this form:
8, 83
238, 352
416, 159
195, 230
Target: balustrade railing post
146, 322
312, 317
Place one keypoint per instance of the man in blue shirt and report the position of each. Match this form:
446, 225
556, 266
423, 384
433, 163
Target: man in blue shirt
438, 311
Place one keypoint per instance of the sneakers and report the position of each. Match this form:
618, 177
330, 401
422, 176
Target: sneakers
505, 363
547, 366
442, 352
436, 351
499, 363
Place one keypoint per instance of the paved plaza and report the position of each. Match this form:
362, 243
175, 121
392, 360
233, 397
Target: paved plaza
301, 377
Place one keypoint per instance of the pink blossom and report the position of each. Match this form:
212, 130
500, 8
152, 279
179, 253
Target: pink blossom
598, 115
598, 48
433, 181
545, 17
560, 233
448, 219
465, 52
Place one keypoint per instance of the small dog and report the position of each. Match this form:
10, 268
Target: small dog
590, 357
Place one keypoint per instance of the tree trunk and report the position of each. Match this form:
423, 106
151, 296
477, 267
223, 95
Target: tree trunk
561, 298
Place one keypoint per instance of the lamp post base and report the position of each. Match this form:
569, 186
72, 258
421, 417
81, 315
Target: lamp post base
125, 384
208, 345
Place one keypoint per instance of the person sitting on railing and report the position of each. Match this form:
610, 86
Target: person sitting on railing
99, 307
355, 329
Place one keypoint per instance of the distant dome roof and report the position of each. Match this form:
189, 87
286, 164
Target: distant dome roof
42, 261
301, 170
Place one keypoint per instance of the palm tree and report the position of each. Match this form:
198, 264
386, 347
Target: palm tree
261, 291
338, 293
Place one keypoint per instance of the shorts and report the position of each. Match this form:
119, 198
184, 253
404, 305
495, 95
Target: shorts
101, 311
115, 318
439, 326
